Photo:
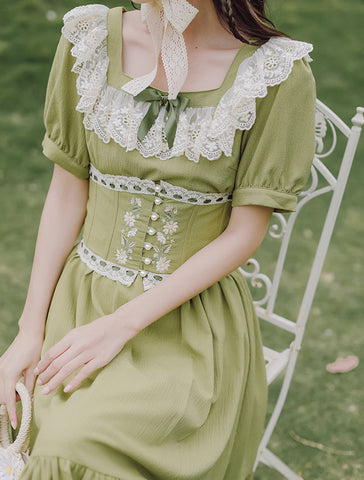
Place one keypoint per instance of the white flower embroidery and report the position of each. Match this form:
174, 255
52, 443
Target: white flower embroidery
7, 466
162, 265
165, 240
124, 254
129, 219
161, 238
121, 256
170, 228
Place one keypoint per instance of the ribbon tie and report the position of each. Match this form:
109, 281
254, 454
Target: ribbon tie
166, 21
157, 100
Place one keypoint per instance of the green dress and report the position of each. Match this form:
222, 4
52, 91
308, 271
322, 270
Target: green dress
186, 397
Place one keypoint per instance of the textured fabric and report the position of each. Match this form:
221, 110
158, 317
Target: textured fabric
186, 397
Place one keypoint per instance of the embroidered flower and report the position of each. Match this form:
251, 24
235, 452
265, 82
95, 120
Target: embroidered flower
121, 256
162, 265
129, 219
161, 238
165, 240
170, 227
132, 232
124, 253
7, 466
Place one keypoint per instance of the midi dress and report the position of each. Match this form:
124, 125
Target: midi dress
186, 397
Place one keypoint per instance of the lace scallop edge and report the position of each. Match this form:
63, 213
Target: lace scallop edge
202, 131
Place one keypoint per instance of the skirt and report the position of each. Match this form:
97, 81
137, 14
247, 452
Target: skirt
185, 398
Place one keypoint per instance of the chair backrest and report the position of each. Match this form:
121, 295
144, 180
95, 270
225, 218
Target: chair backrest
323, 181
282, 225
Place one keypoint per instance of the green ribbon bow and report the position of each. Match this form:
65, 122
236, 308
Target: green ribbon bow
157, 100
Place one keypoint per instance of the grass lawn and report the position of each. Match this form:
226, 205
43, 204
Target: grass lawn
321, 407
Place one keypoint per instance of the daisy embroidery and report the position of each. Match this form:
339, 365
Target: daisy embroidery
123, 254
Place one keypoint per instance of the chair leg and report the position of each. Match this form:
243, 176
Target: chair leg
272, 461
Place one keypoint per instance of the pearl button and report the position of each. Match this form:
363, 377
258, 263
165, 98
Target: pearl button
147, 246
154, 216
147, 260
158, 201
151, 230
143, 273
157, 188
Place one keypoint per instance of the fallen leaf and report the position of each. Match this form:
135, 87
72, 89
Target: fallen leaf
342, 365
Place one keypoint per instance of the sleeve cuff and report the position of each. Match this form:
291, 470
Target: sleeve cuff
281, 202
52, 151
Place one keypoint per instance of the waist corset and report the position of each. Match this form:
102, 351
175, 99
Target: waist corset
142, 227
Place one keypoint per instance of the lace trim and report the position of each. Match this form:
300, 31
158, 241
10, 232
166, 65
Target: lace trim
208, 131
121, 183
113, 271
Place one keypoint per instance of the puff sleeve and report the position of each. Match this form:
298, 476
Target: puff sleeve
277, 152
64, 142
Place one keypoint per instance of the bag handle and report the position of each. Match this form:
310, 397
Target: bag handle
4, 427
21, 443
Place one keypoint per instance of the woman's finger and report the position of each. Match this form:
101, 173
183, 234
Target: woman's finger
56, 365
53, 353
65, 372
85, 371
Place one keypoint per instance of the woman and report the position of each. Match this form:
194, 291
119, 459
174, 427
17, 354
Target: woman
175, 132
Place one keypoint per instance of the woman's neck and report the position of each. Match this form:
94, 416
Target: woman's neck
205, 30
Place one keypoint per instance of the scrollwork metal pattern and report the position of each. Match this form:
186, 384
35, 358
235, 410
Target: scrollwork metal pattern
257, 279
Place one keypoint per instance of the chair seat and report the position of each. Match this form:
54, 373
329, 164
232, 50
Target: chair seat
276, 362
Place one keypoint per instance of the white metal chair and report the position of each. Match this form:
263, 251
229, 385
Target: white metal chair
322, 181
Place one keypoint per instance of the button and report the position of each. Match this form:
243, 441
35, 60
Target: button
154, 216
147, 246
151, 230
157, 188
158, 201
147, 260
143, 273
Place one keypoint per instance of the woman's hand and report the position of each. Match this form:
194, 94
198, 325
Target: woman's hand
19, 360
92, 346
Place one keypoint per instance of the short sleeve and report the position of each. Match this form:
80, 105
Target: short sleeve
64, 142
277, 152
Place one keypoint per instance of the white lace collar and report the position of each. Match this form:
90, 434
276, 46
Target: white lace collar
202, 131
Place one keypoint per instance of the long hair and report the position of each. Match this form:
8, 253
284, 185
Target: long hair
246, 19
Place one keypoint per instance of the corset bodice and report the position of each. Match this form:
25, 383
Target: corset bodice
147, 228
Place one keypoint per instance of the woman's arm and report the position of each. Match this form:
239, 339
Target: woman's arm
238, 242
61, 220
96, 344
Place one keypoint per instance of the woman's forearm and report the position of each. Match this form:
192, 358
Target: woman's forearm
61, 221
227, 252
103, 338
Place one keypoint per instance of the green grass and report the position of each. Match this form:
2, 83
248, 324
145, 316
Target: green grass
320, 407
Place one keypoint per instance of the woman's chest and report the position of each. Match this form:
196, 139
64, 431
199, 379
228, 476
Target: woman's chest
118, 165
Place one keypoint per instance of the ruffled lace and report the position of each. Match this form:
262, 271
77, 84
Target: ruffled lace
203, 131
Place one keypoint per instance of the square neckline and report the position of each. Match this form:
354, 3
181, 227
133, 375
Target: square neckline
116, 77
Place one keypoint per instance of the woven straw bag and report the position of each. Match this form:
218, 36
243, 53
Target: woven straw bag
14, 456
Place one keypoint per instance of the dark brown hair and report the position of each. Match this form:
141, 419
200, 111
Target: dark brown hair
246, 20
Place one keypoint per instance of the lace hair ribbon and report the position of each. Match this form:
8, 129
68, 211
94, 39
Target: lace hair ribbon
166, 21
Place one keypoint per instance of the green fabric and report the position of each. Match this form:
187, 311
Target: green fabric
186, 397
173, 107
64, 140
277, 152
